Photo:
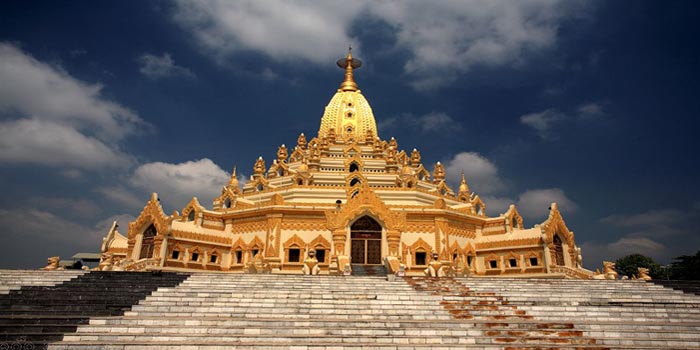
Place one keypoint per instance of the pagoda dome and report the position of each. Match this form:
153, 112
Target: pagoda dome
348, 113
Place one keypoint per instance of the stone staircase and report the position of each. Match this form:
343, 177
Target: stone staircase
616, 314
692, 287
228, 311
44, 310
368, 270
14, 279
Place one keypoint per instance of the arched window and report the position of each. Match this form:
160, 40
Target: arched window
354, 167
280, 172
354, 182
147, 245
478, 209
558, 251
515, 222
227, 203
259, 187
190, 216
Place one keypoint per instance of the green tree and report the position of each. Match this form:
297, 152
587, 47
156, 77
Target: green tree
627, 266
686, 267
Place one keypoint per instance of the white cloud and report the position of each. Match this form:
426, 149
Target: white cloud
534, 204
157, 67
283, 30
591, 110
48, 93
123, 196
543, 121
176, 184
48, 143
442, 38
431, 122
481, 174
52, 118
497, 205
450, 36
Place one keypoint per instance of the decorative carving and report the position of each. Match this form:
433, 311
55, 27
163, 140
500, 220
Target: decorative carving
258, 265
438, 173
609, 272
343, 263
311, 264
282, 153
301, 141
365, 202
259, 167
513, 219
415, 158
106, 262
52, 263
152, 213
643, 274
435, 268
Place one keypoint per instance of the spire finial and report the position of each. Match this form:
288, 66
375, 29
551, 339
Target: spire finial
349, 63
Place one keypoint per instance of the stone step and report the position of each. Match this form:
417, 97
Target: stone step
217, 345
305, 337
335, 322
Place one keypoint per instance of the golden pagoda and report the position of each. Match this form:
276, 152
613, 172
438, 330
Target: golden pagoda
354, 199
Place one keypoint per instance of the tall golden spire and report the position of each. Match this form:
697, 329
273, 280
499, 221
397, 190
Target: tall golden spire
348, 63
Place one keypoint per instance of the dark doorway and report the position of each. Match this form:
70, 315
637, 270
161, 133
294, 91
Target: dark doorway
147, 245
366, 241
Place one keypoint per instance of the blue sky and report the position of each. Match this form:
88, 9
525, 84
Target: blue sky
590, 104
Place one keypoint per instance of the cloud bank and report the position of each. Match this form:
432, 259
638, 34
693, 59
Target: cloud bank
51, 118
441, 38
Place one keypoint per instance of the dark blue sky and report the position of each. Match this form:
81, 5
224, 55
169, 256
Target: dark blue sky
590, 104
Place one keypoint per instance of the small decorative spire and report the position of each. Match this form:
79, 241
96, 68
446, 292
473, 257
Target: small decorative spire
463, 188
438, 173
259, 167
301, 141
415, 158
349, 63
233, 182
282, 153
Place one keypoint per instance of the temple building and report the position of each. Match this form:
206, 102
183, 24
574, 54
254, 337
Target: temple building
351, 196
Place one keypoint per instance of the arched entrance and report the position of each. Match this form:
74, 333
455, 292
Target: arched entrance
558, 251
147, 244
366, 241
